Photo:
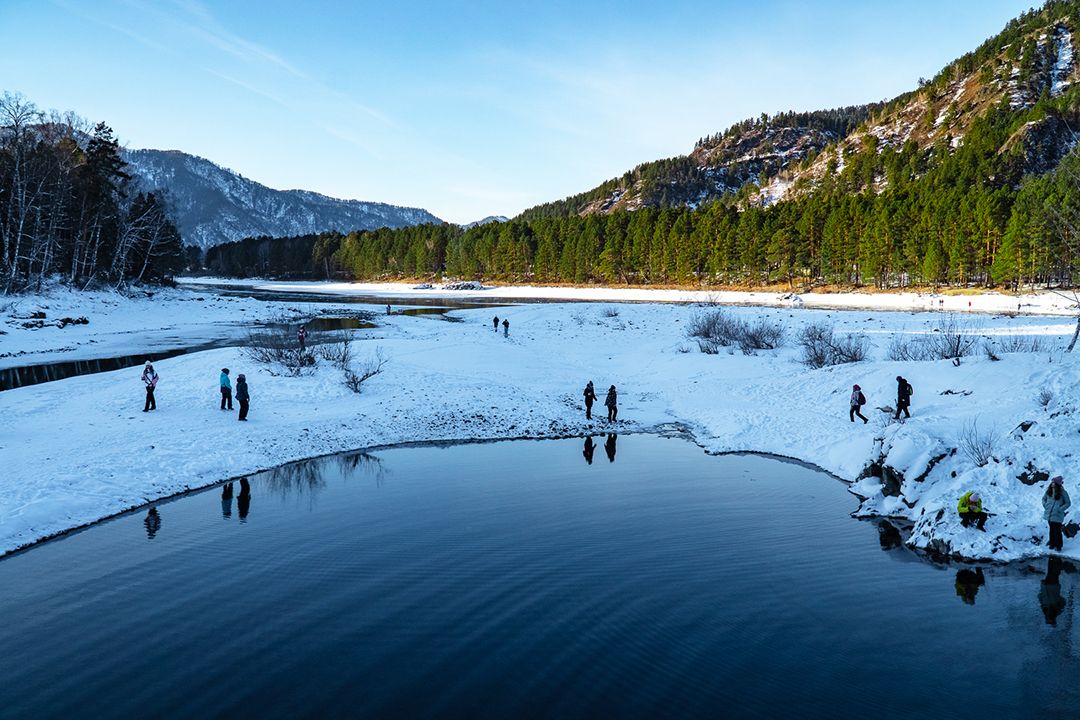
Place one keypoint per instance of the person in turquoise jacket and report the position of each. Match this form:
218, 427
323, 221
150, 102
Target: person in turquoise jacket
971, 511
226, 390
1055, 502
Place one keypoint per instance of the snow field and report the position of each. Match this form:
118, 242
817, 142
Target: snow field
81, 449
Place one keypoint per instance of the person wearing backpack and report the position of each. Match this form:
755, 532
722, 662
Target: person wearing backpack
903, 397
857, 401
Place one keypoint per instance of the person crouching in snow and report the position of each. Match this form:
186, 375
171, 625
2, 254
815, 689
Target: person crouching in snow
1055, 502
149, 378
226, 390
970, 508
242, 395
611, 402
857, 401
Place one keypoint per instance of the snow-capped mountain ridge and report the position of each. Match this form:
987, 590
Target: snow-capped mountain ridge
214, 204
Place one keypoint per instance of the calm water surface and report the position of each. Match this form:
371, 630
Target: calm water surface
516, 579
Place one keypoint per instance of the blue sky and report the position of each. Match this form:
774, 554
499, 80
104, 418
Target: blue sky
466, 109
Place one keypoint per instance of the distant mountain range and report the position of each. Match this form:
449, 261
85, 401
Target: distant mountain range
214, 205
486, 221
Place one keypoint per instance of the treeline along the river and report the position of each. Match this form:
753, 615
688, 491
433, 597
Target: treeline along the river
68, 207
970, 217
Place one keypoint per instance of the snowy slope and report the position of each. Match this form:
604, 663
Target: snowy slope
215, 205
80, 449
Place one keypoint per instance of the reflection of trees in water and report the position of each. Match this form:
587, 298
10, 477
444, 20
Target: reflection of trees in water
308, 478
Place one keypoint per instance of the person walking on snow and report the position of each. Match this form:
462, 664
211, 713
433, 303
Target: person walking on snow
149, 378
970, 508
226, 389
1055, 502
495, 322
301, 337
242, 396
903, 397
611, 402
857, 401
506, 328
590, 398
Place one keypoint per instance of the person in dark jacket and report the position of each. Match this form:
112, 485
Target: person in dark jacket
609, 446
150, 380
903, 397
590, 448
1055, 502
506, 327
590, 398
301, 337
611, 402
495, 322
226, 389
857, 401
242, 395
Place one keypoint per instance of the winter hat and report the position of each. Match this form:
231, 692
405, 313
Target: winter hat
241, 377
856, 387
898, 378
148, 364
975, 497
1057, 480
225, 370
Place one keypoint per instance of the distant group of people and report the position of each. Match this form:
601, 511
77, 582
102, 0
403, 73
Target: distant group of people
505, 325
150, 380
611, 402
903, 401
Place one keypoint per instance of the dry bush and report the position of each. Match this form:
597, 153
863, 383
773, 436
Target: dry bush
909, 348
978, 445
1045, 397
821, 346
355, 379
953, 339
277, 349
715, 329
338, 353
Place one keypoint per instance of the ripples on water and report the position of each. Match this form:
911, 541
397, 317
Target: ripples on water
640, 579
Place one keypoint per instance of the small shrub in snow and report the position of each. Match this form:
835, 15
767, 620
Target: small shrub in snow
715, 329
821, 346
991, 351
1019, 344
338, 353
277, 349
907, 348
953, 339
611, 312
355, 379
1045, 397
978, 445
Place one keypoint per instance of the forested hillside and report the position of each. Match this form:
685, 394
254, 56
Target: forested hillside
68, 207
972, 178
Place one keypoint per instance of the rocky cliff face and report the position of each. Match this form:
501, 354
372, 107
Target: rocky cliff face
215, 205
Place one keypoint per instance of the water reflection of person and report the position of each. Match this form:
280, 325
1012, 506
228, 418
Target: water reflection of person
609, 447
226, 500
152, 523
1050, 598
243, 500
968, 582
590, 447
889, 536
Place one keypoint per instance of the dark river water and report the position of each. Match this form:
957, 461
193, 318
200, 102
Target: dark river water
515, 579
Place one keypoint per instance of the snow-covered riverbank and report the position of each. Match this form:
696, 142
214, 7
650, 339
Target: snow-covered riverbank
80, 449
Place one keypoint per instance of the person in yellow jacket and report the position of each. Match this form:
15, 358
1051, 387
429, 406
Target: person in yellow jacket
971, 511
